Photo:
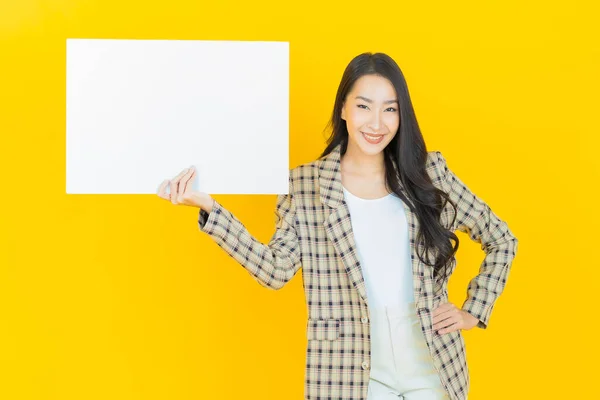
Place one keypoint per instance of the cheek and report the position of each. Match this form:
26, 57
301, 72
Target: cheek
392, 121
356, 118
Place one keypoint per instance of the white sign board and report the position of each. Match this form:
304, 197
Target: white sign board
140, 111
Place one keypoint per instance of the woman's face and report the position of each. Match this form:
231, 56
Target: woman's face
371, 107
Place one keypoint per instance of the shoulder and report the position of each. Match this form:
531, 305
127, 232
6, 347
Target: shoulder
304, 171
435, 158
435, 161
436, 168
304, 177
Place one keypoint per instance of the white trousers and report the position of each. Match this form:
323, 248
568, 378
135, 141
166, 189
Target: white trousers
401, 366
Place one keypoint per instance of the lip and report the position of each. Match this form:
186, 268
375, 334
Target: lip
371, 134
378, 139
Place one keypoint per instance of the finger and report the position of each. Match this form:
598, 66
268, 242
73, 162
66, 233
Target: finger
441, 323
449, 312
448, 329
175, 184
453, 318
442, 308
191, 173
187, 181
162, 190
443, 315
442, 320
184, 183
182, 173
448, 324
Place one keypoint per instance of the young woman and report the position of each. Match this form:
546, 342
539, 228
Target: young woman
371, 222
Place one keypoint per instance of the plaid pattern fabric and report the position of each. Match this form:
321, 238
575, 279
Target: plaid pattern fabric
314, 232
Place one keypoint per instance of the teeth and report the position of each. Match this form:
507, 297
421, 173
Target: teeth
372, 137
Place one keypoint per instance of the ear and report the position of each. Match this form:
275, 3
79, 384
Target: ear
343, 112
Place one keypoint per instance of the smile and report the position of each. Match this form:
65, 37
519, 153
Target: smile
373, 139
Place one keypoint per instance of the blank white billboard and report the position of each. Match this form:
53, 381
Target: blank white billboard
140, 111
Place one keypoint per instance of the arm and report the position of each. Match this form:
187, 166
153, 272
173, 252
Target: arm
272, 265
476, 219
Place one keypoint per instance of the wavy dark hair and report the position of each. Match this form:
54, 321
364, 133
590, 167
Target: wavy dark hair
405, 160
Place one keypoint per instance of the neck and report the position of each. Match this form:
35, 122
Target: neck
356, 161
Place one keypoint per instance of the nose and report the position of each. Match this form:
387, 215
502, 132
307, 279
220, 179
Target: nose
375, 122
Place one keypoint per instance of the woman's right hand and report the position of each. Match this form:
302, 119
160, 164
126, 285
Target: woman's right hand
181, 192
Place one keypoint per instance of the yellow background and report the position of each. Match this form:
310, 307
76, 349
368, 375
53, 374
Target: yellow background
122, 297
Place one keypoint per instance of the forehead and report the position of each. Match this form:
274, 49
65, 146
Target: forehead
374, 87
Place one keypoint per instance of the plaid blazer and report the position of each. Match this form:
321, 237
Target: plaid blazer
314, 232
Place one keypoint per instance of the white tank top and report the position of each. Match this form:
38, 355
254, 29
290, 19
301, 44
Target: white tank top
383, 248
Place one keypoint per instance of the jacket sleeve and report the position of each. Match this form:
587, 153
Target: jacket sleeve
273, 264
483, 226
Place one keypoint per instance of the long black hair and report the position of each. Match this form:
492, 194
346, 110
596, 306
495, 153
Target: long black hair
405, 159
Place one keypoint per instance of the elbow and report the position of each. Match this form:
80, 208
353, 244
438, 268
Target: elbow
273, 284
508, 243
276, 279
278, 271
512, 241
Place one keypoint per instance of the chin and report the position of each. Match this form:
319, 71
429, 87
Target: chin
372, 149
369, 148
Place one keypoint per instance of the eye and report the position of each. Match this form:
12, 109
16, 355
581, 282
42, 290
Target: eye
362, 105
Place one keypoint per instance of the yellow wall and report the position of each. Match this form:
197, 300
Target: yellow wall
122, 297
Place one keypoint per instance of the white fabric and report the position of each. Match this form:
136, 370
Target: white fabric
381, 235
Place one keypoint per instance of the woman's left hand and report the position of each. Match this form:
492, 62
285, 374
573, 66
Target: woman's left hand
447, 318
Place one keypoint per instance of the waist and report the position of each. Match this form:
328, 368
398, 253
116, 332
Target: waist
401, 309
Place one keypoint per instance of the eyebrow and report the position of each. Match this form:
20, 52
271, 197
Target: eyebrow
370, 101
